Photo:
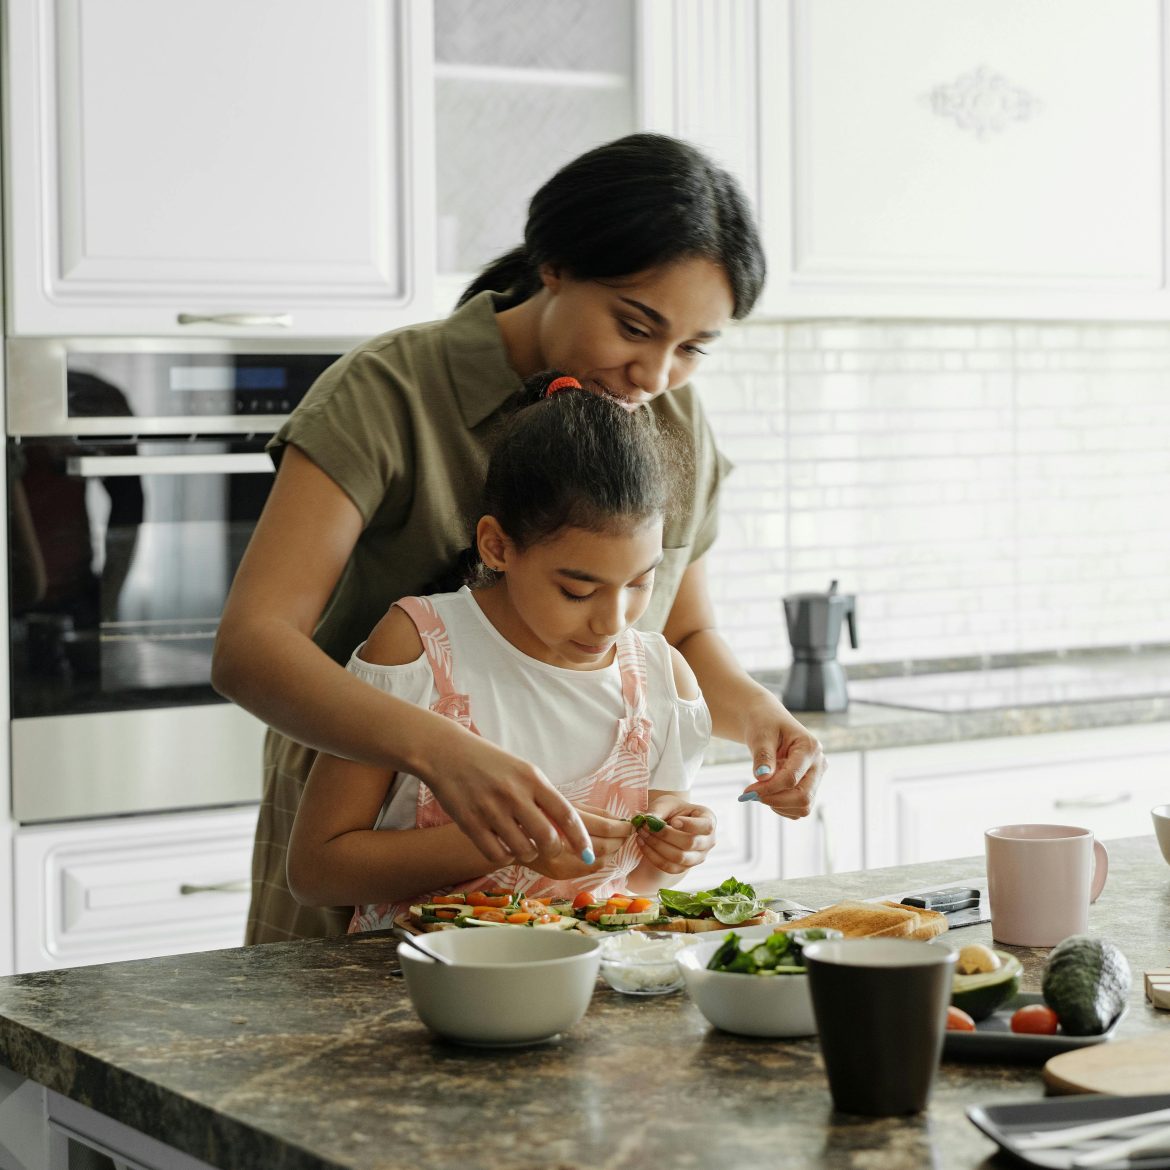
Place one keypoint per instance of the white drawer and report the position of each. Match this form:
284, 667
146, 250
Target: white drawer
131, 887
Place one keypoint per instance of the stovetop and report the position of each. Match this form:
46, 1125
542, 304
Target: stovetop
1018, 686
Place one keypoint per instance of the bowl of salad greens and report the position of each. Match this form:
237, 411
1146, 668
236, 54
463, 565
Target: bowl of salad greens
753, 982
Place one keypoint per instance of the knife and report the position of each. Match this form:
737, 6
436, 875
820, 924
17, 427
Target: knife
963, 903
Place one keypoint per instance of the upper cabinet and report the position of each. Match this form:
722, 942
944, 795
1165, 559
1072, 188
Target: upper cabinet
218, 168
308, 168
942, 158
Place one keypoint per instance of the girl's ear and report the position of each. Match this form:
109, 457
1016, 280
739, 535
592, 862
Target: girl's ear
493, 544
550, 277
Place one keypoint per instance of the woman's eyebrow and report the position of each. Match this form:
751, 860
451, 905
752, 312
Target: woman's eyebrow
659, 320
590, 579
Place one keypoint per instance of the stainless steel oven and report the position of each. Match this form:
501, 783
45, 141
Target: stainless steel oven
136, 473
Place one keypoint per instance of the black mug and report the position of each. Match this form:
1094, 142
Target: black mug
881, 1010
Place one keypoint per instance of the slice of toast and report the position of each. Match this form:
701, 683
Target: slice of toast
930, 922
874, 920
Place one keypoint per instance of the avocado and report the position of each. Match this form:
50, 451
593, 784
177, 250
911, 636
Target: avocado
1086, 982
981, 992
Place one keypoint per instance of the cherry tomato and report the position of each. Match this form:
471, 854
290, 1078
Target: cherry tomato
585, 898
1035, 1017
959, 1021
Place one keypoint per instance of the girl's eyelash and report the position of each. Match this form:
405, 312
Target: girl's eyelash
575, 596
695, 349
634, 330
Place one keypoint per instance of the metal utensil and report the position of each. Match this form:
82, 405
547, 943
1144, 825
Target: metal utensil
787, 908
412, 940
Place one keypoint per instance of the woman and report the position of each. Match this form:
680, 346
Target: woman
636, 255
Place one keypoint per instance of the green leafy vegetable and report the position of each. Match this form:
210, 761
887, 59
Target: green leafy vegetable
653, 823
781, 953
732, 902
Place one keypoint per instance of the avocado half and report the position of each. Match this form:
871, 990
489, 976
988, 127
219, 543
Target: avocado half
984, 991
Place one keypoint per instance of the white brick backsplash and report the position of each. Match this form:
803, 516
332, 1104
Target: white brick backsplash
983, 488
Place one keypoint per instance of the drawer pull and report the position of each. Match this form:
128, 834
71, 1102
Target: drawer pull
1092, 801
240, 320
240, 887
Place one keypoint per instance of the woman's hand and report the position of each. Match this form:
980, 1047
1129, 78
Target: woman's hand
506, 806
687, 839
607, 834
787, 759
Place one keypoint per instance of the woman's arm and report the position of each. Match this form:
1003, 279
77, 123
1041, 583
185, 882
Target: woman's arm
787, 758
266, 661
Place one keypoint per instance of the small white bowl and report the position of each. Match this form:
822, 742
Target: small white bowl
749, 1005
637, 962
1160, 815
505, 986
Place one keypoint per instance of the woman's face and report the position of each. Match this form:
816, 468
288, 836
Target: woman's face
566, 599
634, 337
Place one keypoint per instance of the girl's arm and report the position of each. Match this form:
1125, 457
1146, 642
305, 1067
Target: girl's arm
689, 834
335, 855
265, 660
787, 759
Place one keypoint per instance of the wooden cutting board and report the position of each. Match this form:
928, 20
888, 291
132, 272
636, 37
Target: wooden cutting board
1116, 1066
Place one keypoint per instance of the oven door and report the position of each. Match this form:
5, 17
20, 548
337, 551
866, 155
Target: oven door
122, 553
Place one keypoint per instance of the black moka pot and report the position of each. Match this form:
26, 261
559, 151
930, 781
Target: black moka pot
816, 681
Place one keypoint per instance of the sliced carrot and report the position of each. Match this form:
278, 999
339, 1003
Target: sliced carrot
449, 899
480, 898
488, 913
619, 902
446, 914
595, 915
519, 918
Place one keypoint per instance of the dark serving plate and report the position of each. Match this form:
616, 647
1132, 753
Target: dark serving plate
993, 1038
1006, 1124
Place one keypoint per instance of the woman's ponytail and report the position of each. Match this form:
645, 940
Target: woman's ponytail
513, 273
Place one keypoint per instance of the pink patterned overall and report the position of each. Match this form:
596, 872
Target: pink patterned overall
619, 786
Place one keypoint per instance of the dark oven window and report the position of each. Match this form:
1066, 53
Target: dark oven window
121, 555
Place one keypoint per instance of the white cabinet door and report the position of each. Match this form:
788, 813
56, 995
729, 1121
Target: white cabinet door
830, 840
933, 802
939, 158
217, 168
747, 836
101, 891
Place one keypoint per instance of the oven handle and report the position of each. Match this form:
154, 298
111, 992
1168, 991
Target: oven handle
101, 466
246, 320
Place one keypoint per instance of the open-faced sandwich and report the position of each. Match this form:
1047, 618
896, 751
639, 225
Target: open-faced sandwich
733, 903
515, 908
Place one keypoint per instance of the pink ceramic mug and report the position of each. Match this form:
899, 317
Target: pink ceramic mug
1040, 881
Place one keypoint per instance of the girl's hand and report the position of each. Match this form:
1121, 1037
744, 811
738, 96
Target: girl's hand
787, 759
687, 839
607, 834
505, 805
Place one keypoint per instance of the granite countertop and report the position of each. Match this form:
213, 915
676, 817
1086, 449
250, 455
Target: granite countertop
944, 700
308, 1055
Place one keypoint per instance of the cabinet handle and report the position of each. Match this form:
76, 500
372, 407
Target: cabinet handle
1092, 801
283, 320
240, 887
826, 840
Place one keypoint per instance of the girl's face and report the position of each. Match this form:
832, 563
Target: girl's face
565, 600
634, 337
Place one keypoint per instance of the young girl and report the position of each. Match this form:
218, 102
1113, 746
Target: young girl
541, 658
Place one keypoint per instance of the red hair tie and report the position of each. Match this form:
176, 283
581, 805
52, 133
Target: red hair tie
562, 383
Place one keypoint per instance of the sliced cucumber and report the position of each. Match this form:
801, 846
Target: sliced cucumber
629, 919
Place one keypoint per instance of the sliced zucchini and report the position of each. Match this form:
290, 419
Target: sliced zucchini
629, 919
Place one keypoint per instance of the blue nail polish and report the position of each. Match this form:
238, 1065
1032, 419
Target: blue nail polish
763, 770
746, 796
588, 856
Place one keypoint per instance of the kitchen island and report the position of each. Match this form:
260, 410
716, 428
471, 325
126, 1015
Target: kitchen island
306, 1055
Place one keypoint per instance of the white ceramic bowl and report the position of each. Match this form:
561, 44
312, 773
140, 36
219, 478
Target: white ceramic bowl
1161, 818
506, 985
750, 1005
